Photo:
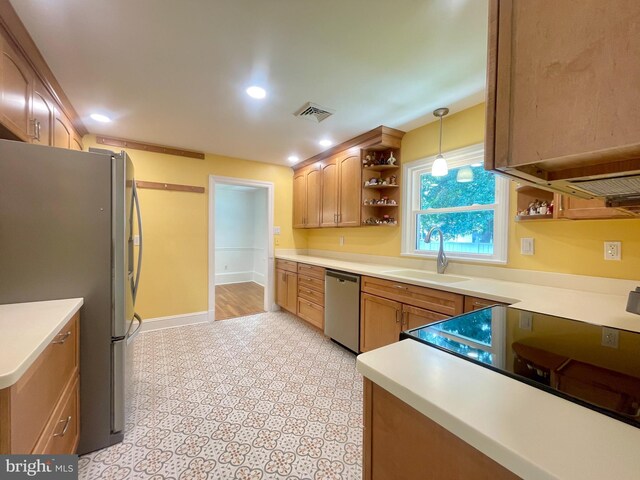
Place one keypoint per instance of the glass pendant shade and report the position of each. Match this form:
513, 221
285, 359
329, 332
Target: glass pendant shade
439, 167
465, 175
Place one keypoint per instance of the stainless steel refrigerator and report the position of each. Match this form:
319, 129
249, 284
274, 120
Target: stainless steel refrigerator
67, 221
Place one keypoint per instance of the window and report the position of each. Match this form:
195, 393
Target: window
472, 215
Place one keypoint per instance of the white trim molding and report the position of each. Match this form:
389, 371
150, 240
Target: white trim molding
172, 321
269, 286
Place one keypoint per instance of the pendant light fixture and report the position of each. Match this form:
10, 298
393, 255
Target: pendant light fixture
439, 167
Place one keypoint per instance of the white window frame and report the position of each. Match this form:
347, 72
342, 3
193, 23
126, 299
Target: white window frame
411, 206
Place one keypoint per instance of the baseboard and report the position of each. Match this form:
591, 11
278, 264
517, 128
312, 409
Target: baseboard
234, 277
172, 321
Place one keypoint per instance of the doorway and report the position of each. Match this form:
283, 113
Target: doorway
240, 247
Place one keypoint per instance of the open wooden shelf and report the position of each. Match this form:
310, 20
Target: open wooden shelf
526, 218
380, 205
380, 187
380, 168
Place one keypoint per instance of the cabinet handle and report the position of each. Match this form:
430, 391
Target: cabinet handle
401, 287
479, 304
398, 315
62, 339
65, 428
38, 130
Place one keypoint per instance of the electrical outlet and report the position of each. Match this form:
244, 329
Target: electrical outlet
612, 250
136, 240
609, 337
525, 320
526, 246
277, 241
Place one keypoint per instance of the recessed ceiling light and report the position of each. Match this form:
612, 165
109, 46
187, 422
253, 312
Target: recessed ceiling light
293, 159
256, 92
98, 117
325, 143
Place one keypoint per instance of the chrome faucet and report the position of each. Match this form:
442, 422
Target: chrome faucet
442, 261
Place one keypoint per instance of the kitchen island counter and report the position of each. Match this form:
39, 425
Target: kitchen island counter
532, 433
25, 331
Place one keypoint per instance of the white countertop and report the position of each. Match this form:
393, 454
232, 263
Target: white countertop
25, 331
534, 434
598, 308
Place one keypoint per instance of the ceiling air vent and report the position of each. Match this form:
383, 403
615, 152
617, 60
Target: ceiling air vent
313, 112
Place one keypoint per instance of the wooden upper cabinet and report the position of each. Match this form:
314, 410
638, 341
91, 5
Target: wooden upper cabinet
62, 131
299, 198
574, 208
563, 98
307, 184
313, 184
42, 115
329, 195
15, 91
76, 142
349, 190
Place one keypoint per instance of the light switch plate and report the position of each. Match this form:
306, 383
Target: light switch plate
136, 240
276, 230
526, 246
525, 321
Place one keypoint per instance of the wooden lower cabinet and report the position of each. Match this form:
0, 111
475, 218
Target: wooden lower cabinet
286, 290
401, 443
379, 322
40, 412
476, 303
382, 320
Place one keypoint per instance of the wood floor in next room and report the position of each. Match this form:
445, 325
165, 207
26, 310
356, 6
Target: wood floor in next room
238, 300
254, 398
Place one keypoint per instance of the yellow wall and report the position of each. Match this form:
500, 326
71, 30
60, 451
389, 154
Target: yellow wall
560, 246
174, 272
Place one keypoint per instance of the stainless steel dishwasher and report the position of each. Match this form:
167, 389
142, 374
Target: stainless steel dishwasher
342, 308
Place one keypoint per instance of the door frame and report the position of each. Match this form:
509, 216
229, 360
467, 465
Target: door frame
269, 290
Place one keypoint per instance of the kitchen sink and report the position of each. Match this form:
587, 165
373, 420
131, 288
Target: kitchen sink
429, 276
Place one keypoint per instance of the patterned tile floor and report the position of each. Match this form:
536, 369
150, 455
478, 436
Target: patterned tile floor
258, 397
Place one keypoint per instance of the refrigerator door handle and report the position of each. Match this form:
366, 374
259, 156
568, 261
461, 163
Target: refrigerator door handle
139, 217
131, 335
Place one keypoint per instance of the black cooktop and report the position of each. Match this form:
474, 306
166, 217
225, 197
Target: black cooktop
594, 366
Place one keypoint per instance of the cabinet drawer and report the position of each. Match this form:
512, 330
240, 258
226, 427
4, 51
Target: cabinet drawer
422, 297
287, 265
311, 295
61, 433
413, 317
37, 393
475, 303
312, 313
311, 271
311, 283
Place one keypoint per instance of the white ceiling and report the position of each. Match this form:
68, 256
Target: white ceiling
175, 72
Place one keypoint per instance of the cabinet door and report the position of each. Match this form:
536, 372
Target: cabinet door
313, 181
42, 113
475, 303
15, 94
76, 143
329, 196
299, 198
349, 191
562, 85
414, 317
281, 288
61, 130
292, 292
379, 322
581, 209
